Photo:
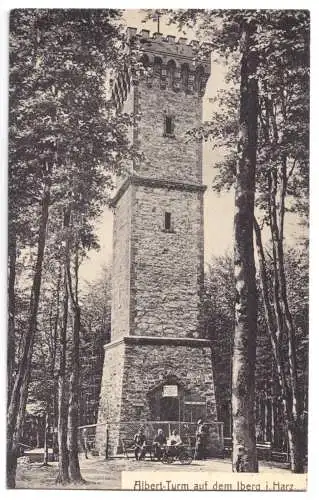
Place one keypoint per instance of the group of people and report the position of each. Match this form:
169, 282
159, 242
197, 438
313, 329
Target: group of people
174, 441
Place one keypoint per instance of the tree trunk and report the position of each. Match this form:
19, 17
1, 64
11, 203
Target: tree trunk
244, 348
12, 254
265, 418
272, 405
63, 474
286, 324
283, 314
38, 432
16, 408
45, 444
294, 433
74, 465
55, 347
73, 420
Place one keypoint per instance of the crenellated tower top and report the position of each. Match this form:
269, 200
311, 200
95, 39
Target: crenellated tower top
170, 63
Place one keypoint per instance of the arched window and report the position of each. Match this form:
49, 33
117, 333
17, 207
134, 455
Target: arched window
158, 66
145, 60
185, 76
171, 68
199, 74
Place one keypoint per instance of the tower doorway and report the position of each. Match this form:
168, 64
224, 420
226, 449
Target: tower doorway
166, 401
169, 409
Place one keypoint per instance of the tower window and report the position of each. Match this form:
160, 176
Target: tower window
169, 126
168, 221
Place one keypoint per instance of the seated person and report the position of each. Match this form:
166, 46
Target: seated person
140, 444
174, 441
159, 442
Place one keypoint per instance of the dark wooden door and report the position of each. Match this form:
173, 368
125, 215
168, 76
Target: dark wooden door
169, 409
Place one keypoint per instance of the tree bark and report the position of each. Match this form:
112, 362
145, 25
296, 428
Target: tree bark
244, 347
73, 417
12, 254
16, 408
63, 474
38, 445
45, 444
74, 465
55, 347
273, 326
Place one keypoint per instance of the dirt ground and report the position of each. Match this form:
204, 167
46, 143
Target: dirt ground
106, 475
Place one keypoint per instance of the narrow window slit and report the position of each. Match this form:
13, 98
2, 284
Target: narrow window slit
168, 221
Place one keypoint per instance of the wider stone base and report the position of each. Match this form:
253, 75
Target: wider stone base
151, 380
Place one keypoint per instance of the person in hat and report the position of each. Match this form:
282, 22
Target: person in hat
200, 443
140, 444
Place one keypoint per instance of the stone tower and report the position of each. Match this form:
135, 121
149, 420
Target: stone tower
157, 366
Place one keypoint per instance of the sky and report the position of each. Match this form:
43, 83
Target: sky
218, 208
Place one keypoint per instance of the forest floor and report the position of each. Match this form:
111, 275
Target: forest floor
106, 475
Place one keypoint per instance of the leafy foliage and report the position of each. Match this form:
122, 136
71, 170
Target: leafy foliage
219, 324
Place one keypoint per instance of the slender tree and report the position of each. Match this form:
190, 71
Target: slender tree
244, 350
19, 392
63, 474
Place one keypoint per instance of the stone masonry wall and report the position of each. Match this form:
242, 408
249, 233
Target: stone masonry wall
111, 395
146, 366
128, 107
132, 370
121, 266
167, 268
169, 158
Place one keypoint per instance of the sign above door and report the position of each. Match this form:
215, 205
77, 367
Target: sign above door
170, 391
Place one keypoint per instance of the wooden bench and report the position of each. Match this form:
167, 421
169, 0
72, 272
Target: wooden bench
279, 456
264, 450
128, 446
228, 446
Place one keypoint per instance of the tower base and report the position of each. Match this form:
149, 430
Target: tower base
158, 382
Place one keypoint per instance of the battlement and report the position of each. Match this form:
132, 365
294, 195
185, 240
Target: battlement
171, 63
181, 50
